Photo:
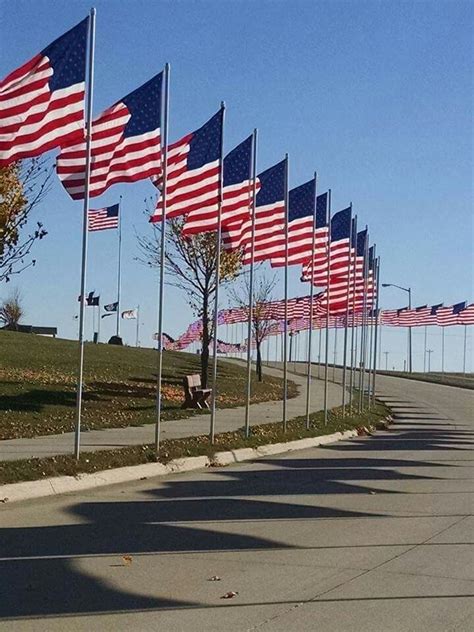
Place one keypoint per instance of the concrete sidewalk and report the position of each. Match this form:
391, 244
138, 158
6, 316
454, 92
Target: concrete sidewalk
227, 419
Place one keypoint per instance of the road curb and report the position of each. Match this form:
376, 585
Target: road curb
28, 490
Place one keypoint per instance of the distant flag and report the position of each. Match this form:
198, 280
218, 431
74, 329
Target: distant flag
237, 193
90, 299
269, 217
126, 144
110, 309
466, 316
42, 102
449, 315
130, 314
193, 176
103, 218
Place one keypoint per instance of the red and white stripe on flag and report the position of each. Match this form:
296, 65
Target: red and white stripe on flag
42, 102
125, 147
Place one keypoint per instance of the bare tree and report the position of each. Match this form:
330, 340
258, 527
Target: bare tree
190, 264
262, 294
11, 311
23, 185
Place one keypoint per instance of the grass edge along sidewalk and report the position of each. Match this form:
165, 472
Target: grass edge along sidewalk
447, 379
172, 449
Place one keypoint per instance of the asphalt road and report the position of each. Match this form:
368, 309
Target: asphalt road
373, 534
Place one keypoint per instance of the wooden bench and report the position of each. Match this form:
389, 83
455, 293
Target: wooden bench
194, 395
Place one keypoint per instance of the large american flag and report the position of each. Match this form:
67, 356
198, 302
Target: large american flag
301, 226
125, 144
269, 217
236, 195
193, 176
103, 218
42, 102
339, 251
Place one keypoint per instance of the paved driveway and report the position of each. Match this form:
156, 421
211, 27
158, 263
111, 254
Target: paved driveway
373, 534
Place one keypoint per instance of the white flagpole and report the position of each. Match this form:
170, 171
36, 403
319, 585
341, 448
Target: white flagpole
250, 308
442, 350
353, 326
212, 428
285, 327
335, 351
326, 367
311, 306
363, 339
346, 324
98, 320
137, 339
319, 345
119, 270
377, 316
464, 351
161, 291
90, 92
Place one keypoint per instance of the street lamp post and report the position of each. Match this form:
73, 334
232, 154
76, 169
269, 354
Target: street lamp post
408, 290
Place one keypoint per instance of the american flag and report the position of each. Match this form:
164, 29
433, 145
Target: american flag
42, 102
466, 316
236, 195
301, 226
449, 315
269, 217
125, 146
193, 176
103, 218
339, 251
430, 317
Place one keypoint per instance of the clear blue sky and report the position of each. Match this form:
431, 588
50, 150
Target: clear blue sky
377, 96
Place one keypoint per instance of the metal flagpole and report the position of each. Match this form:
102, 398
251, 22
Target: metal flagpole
363, 337
119, 271
138, 327
370, 346
212, 428
319, 350
377, 316
311, 301
98, 320
285, 327
335, 352
90, 91
346, 330
464, 351
353, 321
442, 350
425, 347
250, 308
161, 291
326, 364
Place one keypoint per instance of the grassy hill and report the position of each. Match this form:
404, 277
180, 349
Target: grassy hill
38, 380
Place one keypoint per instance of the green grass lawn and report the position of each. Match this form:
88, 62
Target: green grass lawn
38, 383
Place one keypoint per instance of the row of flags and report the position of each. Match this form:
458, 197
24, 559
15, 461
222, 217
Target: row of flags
93, 300
298, 318
44, 102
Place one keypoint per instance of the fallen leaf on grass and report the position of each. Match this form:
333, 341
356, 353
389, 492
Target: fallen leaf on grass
214, 578
230, 595
127, 559
4, 500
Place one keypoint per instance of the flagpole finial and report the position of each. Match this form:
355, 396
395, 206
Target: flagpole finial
223, 105
93, 11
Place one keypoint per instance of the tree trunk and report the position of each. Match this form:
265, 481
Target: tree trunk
259, 364
205, 343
